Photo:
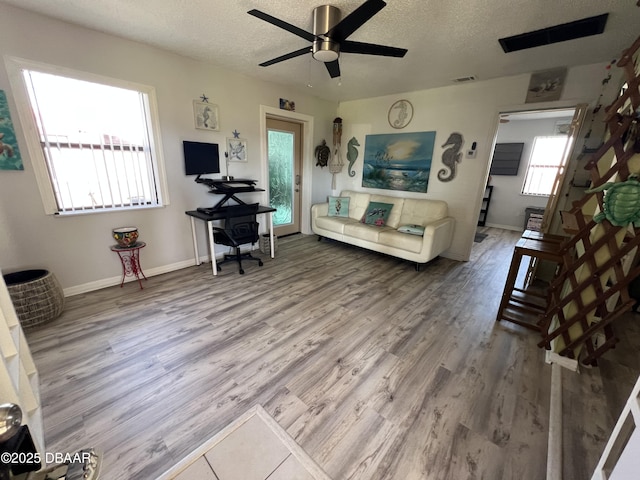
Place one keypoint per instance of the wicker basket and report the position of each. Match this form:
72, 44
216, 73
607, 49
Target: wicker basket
36, 295
265, 244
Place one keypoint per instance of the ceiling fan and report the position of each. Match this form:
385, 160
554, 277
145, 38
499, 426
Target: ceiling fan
330, 34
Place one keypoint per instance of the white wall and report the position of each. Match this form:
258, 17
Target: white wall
77, 248
470, 109
507, 208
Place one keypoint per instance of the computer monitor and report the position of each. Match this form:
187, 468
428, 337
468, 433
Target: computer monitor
201, 158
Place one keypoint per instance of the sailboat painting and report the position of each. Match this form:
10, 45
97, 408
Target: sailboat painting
398, 161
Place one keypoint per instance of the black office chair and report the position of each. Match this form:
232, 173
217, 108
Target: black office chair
240, 227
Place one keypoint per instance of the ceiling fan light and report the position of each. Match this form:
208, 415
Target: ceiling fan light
326, 56
325, 50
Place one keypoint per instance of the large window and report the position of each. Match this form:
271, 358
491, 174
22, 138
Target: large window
96, 142
544, 165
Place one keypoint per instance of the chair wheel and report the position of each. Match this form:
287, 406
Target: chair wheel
260, 263
241, 272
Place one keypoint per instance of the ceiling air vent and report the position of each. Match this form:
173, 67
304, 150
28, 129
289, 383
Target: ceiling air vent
559, 33
468, 78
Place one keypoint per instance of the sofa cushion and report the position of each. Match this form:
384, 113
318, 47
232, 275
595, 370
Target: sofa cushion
396, 211
393, 238
421, 212
338, 206
358, 203
377, 214
362, 231
334, 224
412, 229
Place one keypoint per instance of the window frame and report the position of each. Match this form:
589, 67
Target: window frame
15, 67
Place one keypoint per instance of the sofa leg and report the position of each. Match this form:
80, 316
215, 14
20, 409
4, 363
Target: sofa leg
417, 267
319, 238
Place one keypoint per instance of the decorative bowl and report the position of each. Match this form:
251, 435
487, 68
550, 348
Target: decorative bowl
125, 236
10, 420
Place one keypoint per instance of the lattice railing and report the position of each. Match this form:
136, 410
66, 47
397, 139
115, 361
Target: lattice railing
590, 291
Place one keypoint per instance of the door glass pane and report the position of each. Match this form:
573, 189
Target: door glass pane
280, 148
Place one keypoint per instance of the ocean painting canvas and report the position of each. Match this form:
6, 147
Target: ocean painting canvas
9, 154
398, 161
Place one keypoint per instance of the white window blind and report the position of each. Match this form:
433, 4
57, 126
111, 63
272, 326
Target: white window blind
97, 143
544, 164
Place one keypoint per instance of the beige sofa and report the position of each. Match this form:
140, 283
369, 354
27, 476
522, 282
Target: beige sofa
431, 214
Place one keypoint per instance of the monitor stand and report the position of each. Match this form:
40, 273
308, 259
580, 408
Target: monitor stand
207, 181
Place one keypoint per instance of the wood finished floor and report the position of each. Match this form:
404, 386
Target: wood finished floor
376, 370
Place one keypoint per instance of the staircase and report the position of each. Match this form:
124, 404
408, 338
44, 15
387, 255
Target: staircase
600, 259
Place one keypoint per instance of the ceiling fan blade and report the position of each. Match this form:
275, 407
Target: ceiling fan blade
287, 56
355, 19
282, 24
372, 49
333, 68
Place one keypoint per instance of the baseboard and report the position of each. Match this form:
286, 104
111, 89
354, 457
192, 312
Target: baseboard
554, 442
110, 282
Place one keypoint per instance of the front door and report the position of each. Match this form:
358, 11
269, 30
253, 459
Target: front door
284, 156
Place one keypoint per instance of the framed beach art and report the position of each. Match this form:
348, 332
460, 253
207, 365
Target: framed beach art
206, 116
546, 86
237, 149
398, 161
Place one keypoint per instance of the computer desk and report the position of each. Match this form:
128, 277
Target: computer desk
219, 214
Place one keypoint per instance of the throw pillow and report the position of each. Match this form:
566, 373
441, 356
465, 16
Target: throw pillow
377, 213
412, 229
338, 206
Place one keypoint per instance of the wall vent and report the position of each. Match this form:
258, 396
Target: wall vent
468, 78
558, 33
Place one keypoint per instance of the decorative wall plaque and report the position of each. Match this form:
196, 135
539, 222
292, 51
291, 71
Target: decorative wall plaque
400, 114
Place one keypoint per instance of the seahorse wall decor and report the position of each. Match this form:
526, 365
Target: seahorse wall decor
352, 154
451, 156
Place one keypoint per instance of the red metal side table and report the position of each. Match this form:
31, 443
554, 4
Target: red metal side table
130, 260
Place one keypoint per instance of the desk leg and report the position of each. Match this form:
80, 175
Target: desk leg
212, 249
195, 240
273, 250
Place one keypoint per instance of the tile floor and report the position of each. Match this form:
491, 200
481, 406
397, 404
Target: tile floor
254, 447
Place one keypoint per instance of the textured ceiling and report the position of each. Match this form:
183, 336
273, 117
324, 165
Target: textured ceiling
446, 39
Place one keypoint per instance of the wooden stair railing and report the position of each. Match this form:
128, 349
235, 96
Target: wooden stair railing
590, 290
